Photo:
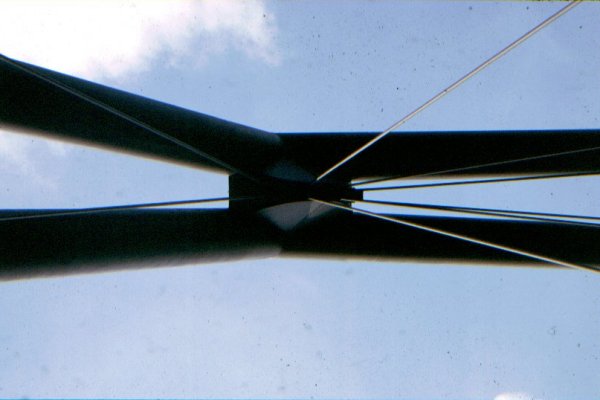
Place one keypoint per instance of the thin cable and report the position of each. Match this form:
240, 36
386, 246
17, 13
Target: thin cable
94, 210
483, 181
479, 166
465, 238
530, 216
123, 116
586, 217
453, 86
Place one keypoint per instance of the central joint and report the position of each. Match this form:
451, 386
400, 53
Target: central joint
269, 192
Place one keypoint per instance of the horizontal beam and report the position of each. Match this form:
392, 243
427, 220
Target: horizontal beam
416, 153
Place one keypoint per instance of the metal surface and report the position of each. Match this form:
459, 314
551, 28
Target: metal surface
275, 176
118, 240
514, 238
36, 100
459, 154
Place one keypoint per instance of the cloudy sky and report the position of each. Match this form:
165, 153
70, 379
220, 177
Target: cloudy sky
290, 328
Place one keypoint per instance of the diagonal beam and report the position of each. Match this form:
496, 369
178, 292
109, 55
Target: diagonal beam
120, 114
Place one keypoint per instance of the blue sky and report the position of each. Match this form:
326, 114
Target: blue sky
292, 328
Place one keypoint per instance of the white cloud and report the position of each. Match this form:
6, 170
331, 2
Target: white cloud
18, 155
514, 396
114, 38
13, 152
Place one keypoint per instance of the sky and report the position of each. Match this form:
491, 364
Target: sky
297, 328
